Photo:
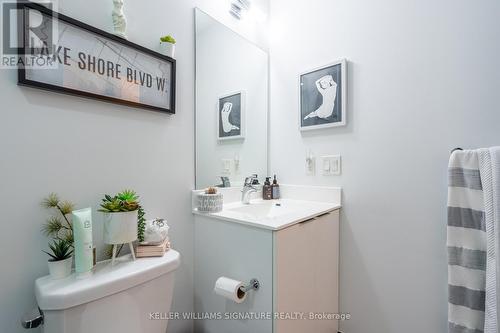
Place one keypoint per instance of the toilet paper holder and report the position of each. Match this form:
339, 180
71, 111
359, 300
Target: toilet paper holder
253, 285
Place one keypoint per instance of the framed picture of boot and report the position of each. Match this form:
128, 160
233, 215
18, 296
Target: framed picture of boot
323, 96
231, 116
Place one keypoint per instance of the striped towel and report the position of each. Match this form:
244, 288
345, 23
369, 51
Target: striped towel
466, 244
489, 167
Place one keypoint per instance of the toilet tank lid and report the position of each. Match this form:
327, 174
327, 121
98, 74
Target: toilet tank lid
105, 280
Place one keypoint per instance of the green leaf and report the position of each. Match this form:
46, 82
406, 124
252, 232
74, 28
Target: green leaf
61, 249
125, 201
66, 207
51, 201
168, 39
52, 226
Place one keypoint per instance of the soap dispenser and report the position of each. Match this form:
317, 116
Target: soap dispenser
275, 189
267, 191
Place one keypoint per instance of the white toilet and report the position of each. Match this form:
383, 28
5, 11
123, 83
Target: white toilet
129, 297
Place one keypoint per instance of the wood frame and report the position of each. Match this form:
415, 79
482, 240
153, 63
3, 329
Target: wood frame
22, 80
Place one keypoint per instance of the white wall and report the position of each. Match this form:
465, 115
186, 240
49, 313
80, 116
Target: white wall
235, 65
83, 148
423, 79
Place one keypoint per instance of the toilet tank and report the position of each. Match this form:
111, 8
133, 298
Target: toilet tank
129, 297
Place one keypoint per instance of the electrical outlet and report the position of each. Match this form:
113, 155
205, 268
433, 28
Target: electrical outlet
310, 164
226, 166
236, 161
331, 165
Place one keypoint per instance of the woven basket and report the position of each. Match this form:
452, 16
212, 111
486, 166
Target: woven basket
209, 203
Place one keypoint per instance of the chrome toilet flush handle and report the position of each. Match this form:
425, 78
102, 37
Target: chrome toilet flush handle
32, 319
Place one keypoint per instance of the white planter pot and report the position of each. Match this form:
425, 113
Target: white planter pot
210, 203
60, 269
120, 228
167, 49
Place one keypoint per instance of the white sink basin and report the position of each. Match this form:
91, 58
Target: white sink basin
263, 209
273, 214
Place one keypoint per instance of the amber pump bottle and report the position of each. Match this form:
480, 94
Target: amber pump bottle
275, 189
267, 191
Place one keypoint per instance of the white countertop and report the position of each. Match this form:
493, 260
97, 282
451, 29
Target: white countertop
272, 214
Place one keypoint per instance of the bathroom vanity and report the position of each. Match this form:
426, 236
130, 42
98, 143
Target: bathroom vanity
290, 245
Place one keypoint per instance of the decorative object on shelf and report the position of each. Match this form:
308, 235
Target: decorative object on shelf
58, 227
61, 258
123, 220
82, 232
231, 116
323, 96
210, 201
156, 232
93, 63
167, 45
119, 19
211, 190
153, 250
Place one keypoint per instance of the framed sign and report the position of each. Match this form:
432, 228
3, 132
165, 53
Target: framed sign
322, 97
89, 62
231, 116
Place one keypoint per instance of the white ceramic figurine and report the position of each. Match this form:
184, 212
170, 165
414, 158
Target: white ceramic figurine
156, 232
119, 20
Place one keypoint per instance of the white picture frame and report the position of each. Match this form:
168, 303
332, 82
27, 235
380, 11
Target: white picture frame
231, 122
318, 89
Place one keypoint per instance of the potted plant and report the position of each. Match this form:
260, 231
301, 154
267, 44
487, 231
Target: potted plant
61, 258
210, 201
58, 226
123, 218
167, 45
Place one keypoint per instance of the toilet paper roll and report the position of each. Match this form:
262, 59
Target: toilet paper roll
230, 289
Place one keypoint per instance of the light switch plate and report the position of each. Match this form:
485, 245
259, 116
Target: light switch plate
331, 165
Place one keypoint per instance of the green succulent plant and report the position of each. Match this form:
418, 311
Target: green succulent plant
126, 201
58, 227
60, 250
167, 39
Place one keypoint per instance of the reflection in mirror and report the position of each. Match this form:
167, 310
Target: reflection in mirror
231, 105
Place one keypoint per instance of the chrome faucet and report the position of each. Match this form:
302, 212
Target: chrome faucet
248, 189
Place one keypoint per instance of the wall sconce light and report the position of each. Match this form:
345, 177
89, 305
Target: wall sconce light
239, 7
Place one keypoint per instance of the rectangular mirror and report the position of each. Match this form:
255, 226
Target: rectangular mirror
231, 105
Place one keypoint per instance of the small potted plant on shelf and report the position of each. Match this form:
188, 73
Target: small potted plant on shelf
124, 220
61, 258
59, 228
210, 201
167, 45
